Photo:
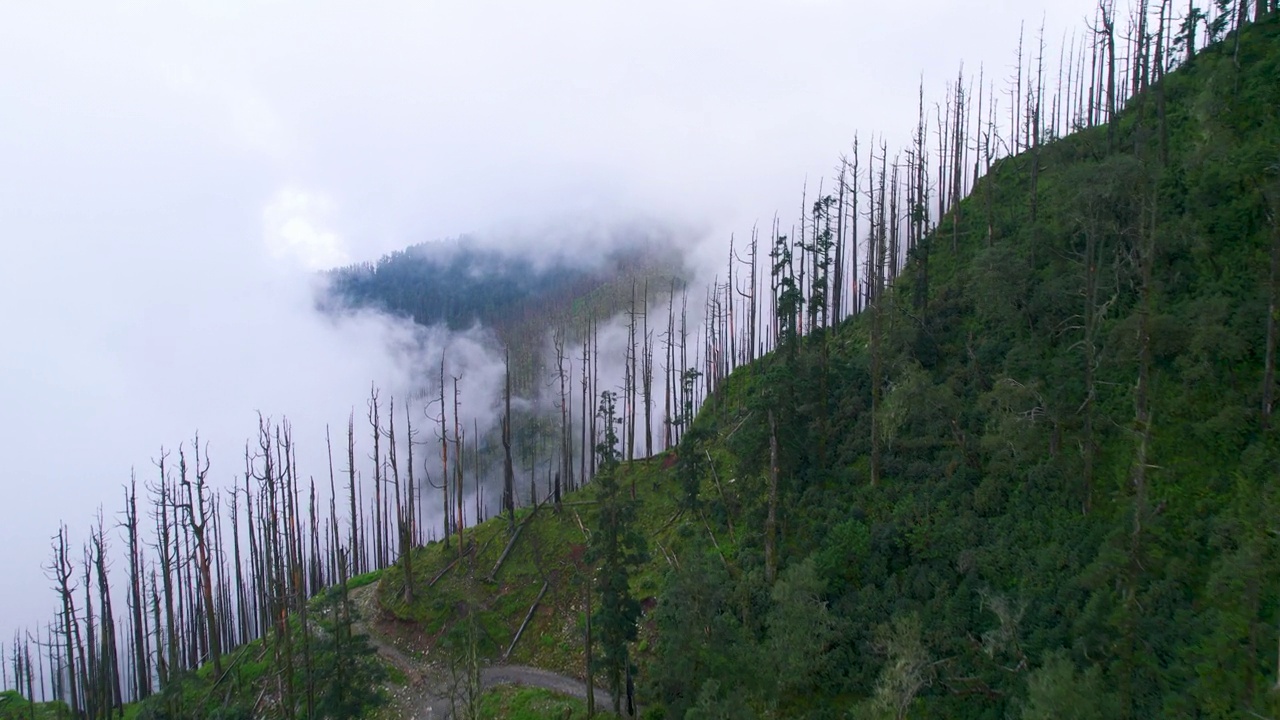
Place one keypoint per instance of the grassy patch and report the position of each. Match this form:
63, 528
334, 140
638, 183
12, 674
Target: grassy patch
550, 548
512, 702
16, 707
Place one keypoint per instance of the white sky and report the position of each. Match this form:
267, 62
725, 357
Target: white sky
171, 171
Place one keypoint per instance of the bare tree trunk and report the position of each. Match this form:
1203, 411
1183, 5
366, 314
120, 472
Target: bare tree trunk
197, 523
379, 523
561, 375
1159, 81
461, 521
392, 461
646, 377
1033, 120
90, 686
1108, 23
444, 462
109, 674
61, 570
878, 233
141, 664
508, 472
583, 442
1016, 105
631, 376
595, 389
957, 162
170, 662
411, 507
351, 490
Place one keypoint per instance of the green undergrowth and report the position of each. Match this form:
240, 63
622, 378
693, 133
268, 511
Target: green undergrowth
343, 680
549, 549
1030, 541
513, 702
1021, 550
13, 706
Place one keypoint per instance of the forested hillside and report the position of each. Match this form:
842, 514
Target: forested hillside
1032, 475
1037, 476
987, 434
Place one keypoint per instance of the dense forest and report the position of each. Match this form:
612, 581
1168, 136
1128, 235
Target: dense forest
1036, 477
986, 433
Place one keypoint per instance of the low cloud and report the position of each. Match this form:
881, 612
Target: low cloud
173, 172
295, 228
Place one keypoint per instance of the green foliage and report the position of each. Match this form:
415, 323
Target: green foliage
800, 631
705, 647
908, 667
520, 703
1151, 590
344, 671
13, 706
719, 703
690, 456
982, 551
1056, 691
790, 297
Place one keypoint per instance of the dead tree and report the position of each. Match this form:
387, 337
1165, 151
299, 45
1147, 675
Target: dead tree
392, 462
141, 654
107, 677
353, 507
566, 459
411, 493
166, 550
1107, 10
198, 523
444, 461
458, 463
646, 377
508, 471
61, 571
379, 537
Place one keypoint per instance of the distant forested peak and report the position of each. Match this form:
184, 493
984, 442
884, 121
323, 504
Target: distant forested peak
502, 281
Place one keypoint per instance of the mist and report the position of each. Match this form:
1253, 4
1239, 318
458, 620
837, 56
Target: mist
175, 174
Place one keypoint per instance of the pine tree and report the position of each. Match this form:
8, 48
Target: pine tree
617, 548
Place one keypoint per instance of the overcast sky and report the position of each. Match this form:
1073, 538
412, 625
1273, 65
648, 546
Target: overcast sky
172, 172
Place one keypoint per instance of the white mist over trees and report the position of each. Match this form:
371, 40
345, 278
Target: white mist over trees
146, 308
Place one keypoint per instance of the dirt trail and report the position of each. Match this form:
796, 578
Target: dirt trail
536, 677
425, 695
422, 696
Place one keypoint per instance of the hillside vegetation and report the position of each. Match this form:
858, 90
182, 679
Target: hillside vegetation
1076, 502
1022, 465
1059, 499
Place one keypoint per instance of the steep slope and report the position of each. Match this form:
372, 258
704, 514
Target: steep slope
1077, 480
1075, 485
1036, 479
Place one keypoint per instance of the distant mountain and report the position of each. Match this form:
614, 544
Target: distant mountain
469, 280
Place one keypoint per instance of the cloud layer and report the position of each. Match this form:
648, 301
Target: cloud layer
173, 172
